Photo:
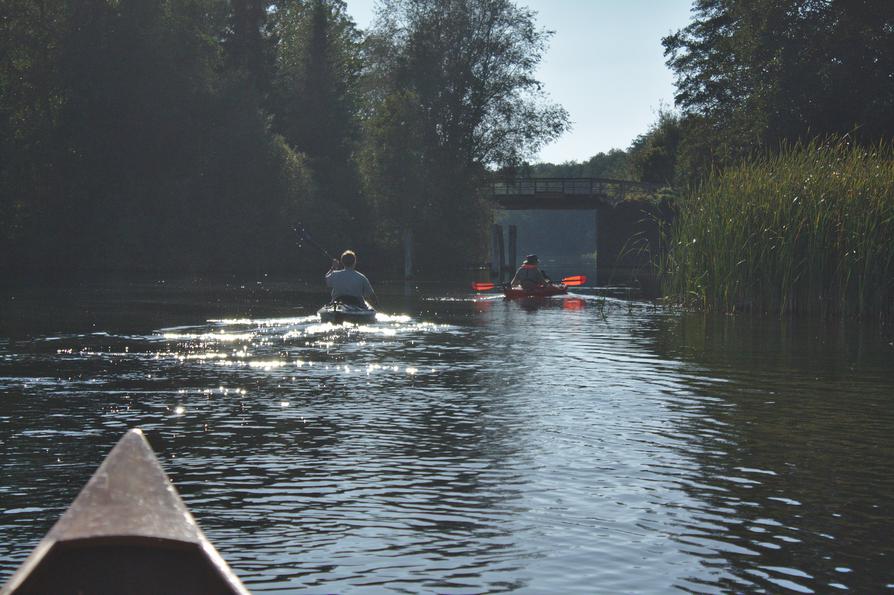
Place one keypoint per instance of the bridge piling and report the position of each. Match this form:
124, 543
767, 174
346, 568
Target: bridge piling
513, 252
498, 261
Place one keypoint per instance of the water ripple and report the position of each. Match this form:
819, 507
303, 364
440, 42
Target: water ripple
471, 444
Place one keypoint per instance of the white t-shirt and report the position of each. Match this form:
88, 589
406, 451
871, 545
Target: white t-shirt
348, 282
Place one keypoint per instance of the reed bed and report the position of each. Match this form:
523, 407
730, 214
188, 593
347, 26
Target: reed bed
807, 230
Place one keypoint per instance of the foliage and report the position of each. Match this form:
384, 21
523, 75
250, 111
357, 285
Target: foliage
248, 45
392, 161
756, 73
778, 222
457, 77
471, 64
615, 165
190, 135
315, 104
806, 230
30, 106
653, 155
135, 147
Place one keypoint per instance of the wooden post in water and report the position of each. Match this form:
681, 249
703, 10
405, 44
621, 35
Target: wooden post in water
513, 252
408, 253
498, 259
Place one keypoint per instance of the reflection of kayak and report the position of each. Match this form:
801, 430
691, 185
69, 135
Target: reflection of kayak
127, 532
338, 312
539, 291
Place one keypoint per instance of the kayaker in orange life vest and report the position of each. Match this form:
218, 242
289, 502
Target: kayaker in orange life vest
529, 274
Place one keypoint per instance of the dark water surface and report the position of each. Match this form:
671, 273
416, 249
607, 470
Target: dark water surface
464, 445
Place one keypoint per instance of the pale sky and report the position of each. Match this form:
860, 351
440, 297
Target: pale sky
605, 65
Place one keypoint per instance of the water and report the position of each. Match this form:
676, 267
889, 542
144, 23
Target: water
462, 444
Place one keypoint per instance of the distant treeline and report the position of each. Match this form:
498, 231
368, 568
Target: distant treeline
192, 135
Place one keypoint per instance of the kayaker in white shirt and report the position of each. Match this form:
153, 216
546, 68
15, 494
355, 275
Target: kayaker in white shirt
348, 285
529, 274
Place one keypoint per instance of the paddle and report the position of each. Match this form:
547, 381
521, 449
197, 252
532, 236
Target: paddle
483, 286
572, 281
575, 280
303, 235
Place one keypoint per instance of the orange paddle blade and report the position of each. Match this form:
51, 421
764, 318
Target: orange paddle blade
482, 286
574, 280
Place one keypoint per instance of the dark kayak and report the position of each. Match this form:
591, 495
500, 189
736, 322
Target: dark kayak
128, 531
539, 291
339, 312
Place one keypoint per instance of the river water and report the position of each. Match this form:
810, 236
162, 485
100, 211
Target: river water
464, 444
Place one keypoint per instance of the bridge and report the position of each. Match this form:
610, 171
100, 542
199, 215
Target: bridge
567, 193
625, 217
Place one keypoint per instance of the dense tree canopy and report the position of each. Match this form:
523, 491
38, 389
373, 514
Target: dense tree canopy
193, 134
752, 73
133, 145
315, 101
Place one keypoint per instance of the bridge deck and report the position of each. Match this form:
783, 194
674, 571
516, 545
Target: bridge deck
566, 193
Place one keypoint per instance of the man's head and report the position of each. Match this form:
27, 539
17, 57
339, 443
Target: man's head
531, 259
348, 259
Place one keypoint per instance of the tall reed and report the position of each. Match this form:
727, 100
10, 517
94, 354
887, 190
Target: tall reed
809, 229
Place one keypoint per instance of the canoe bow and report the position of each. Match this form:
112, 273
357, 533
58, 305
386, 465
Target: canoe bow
128, 531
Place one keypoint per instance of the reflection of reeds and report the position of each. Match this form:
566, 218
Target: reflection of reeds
810, 229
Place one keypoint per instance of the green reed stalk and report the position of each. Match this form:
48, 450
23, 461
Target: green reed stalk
809, 229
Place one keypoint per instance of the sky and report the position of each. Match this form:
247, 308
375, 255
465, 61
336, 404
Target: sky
605, 65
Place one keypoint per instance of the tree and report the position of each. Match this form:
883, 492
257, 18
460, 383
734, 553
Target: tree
129, 143
471, 63
393, 168
248, 46
315, 104
750, 73
653, 155
463, 71
31, 101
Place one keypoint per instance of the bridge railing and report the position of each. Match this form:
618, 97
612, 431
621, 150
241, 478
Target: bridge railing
604, 188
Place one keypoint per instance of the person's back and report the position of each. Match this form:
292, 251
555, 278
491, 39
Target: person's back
529, 274
347, 284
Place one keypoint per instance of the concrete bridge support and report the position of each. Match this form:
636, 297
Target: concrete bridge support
503, 261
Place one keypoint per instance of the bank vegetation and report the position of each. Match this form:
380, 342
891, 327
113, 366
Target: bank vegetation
807, 229
779, 148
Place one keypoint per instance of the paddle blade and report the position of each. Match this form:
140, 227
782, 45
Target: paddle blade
575, 280
482, 286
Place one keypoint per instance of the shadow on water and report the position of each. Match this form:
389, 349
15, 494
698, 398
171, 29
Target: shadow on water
463, 443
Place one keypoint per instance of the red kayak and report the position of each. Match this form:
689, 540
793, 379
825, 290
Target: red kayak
539, 291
